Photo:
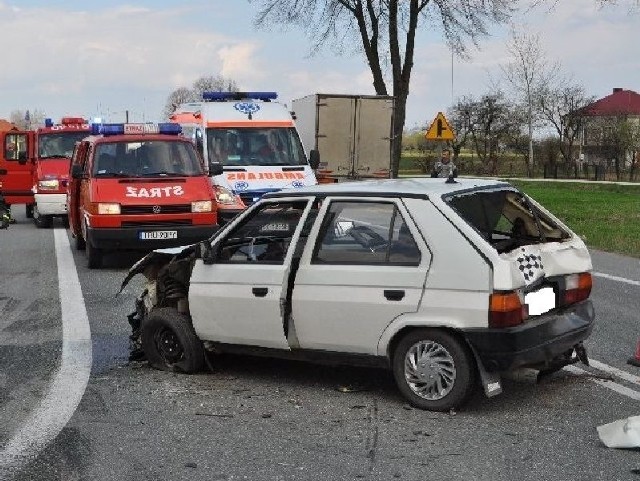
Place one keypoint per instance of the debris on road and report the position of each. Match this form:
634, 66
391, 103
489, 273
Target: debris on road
623, 433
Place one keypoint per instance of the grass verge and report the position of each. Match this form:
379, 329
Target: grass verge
606, 216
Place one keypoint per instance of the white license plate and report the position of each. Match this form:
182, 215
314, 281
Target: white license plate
159, 235
540, 301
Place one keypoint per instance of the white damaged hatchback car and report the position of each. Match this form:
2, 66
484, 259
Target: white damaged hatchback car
446, 283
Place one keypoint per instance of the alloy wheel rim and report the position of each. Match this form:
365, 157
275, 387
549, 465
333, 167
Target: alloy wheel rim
429, 370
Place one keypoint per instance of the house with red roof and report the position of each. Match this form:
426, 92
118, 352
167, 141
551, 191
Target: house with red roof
611, 123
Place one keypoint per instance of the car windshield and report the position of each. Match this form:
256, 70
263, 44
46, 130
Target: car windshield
58, 145
154, 158
234, 147
507, 219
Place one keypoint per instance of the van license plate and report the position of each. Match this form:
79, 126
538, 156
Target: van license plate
159, 235
540, 301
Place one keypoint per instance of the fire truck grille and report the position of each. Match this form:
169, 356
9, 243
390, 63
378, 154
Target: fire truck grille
149, 209
157, 223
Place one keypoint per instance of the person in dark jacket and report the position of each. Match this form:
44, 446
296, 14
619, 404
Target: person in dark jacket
444, 167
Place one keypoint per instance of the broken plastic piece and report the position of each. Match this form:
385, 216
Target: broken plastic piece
623, 433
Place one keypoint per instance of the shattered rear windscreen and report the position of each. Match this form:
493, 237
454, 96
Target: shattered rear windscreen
506, 219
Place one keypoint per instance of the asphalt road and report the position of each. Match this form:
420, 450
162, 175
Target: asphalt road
265, 419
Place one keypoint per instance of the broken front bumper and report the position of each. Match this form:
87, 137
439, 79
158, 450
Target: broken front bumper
537, 342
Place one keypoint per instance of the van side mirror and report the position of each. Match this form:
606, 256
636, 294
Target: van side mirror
77, 172
314, 159
22, 158
215, 168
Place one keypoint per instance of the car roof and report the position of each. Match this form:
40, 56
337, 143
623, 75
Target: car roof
406, 187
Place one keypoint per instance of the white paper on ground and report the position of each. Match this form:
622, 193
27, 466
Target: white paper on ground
623, 433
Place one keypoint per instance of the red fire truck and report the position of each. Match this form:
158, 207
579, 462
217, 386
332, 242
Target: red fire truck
34, 167
138, 186
54, 147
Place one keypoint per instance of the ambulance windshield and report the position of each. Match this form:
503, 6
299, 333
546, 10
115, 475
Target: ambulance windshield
237, 147
58, 145
154, 158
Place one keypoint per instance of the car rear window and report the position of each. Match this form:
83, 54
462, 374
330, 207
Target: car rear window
506, 218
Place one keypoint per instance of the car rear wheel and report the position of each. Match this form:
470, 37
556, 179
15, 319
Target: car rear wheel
29, 211
170, 342
434, 370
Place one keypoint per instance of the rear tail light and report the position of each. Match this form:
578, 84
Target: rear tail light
506, 310
577, 288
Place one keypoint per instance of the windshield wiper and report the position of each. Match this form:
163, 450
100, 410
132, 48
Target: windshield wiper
114, 174
162, 173
55, 156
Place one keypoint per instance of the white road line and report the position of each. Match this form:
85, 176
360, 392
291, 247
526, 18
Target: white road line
614, 386
69, 383
616, 278
624, 375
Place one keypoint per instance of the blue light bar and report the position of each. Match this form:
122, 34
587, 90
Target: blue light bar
222, 96
136, 129
48, 123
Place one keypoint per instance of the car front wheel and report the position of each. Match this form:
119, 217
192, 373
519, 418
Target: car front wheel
434, 370
170, 342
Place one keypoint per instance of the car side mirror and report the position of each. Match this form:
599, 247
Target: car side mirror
206, 252
77, 172
314, 159
215, 168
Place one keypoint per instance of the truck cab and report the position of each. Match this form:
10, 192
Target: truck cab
255, 141
54, 144
138, 186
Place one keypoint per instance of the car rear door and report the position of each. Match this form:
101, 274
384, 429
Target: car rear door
241, 297
367, 266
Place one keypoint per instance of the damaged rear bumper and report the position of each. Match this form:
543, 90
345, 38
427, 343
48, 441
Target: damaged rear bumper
536, 343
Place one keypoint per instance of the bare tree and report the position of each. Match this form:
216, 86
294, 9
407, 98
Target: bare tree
561, 107
27, 119
528, 73
203, 84
386, 31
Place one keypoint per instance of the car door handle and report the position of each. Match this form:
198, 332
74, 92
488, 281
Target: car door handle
260, 291
393, 295
3, 171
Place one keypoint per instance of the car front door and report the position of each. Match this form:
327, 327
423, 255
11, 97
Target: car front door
367, 266
241, 297
78, 163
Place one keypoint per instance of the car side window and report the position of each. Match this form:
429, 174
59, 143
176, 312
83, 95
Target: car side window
365, 233
264, 236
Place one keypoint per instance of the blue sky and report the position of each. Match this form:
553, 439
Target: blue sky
89, 58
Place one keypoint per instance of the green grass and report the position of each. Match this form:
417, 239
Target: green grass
606, 216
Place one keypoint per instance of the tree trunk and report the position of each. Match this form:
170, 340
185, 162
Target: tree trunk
399, 114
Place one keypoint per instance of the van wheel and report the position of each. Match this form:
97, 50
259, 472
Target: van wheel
29, 211
41, 221
65, 222
170, 342
94, 255
434, 370
79, 242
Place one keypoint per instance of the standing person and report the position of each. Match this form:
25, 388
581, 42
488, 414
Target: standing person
444, 167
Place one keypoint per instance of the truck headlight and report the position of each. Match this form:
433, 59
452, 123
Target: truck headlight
201, 206
224, 195
104, 209
49, 184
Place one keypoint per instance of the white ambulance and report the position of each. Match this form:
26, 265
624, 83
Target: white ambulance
255, 140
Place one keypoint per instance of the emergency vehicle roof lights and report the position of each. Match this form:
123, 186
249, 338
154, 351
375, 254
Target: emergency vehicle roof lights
48, 122
135, 129
222, 96
72, 121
